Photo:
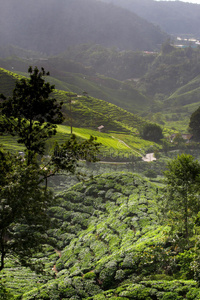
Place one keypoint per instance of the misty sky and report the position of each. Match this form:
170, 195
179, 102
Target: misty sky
190, 1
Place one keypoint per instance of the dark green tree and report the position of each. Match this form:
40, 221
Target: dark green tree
179, 141
194, 124
167, 47
165, 145
32, 115
183, 178
151, 132
24, 204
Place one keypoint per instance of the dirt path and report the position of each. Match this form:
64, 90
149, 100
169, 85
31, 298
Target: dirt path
148, 157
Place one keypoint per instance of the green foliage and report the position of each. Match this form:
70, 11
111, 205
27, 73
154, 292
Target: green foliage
175, 72
23, 209
90, 112
179, 141
95, 253
152, 132
4, 293
25, 199
194, 124
110, 62
167, 73
167, 48
152, 290
111, 239
182, 179
185, 260
30, 113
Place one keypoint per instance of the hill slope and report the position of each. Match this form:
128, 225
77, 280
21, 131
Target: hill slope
112, 244
51, 26
89, 113
85, 111
73, 76
174, 17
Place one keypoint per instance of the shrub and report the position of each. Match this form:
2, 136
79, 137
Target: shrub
151, 132
150, 173
108, 273
170, 296
89, 275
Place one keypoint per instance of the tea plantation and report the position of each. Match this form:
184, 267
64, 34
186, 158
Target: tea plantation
113, 242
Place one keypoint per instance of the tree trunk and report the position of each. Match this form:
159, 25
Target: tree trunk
3, 254
186, 215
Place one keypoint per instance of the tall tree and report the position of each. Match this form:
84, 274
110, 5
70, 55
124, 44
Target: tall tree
194, 124
32, 115
24, 204
183, 178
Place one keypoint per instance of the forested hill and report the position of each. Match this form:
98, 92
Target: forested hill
174, 17
51, 26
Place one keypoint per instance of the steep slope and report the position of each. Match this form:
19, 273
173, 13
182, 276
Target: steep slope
103, 226
186, 95
119, 93
85, 111
112, 244
111, 62
7, 81
51, 26
171, 69
74, 76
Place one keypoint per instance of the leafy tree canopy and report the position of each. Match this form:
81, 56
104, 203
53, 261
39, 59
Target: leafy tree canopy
182, 178
24, 206
194, 124
152, 132
32, 115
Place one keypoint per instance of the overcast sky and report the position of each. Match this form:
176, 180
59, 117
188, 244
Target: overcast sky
190, 1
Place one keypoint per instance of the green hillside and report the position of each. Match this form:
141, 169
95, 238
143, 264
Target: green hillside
178, 107
162, 87
187, 94
114, 146
7, 81
113, 91
111, 244
110, 62
119, 228
89, 113
86, 111
73, 76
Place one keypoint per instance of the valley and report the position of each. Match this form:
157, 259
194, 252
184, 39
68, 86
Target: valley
99, 150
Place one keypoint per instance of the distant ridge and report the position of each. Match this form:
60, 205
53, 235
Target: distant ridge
51, 26
174, 17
